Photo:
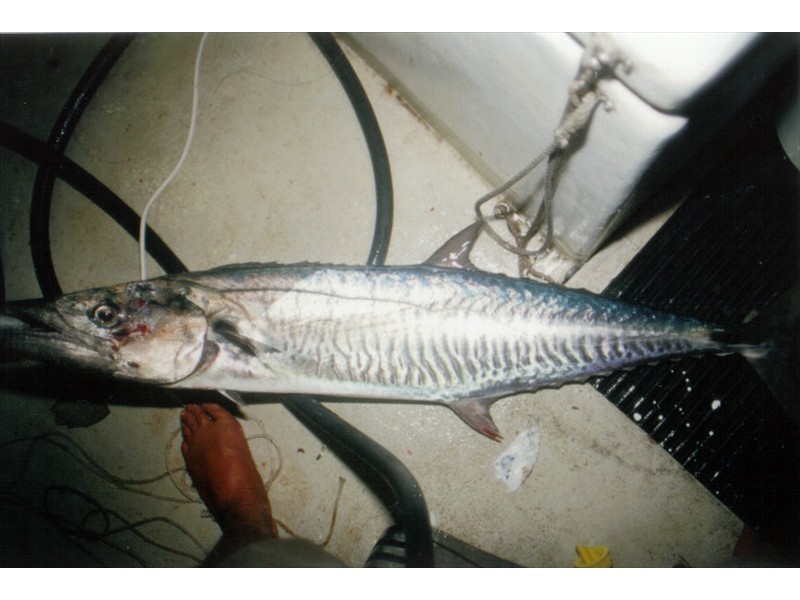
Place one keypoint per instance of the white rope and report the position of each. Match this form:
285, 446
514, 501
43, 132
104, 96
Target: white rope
171, 176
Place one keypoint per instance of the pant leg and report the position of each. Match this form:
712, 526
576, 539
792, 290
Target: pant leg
280, 554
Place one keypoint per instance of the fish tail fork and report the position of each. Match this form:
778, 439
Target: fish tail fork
772, 347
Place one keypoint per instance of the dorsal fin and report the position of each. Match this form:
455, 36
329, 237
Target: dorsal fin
454, 253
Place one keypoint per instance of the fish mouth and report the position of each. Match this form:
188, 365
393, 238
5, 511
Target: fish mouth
36, 330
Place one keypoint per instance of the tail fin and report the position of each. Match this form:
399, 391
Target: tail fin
777, 359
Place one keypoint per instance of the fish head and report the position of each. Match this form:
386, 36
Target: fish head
147, 331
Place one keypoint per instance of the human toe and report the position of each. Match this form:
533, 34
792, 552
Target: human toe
193, 416
216, 413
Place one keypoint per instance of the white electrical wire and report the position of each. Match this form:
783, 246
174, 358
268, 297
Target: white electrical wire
168, 180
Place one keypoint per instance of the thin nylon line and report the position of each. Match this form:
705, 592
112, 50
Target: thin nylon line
168, 180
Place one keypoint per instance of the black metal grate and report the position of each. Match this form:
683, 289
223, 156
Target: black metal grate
729, 249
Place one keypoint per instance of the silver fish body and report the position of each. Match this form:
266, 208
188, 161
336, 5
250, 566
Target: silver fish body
419, 333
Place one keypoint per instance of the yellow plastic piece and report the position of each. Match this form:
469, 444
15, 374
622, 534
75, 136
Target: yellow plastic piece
592, 556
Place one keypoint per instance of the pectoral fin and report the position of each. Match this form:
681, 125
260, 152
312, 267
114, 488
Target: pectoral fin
475, 413
234, 397
226, 332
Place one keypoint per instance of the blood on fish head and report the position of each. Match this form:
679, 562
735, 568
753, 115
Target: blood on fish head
147, 330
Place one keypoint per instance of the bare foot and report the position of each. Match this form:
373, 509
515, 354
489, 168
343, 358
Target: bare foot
223, 472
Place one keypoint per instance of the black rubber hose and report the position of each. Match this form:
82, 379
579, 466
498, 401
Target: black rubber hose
56, 144
2, 283
35, 150
372, 135
382, 471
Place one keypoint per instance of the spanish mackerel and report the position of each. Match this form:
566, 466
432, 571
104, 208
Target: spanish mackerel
441, 332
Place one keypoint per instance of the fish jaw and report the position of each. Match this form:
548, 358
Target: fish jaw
143, 331
36, 330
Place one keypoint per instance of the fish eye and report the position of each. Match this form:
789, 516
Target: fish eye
106, 315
